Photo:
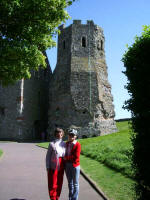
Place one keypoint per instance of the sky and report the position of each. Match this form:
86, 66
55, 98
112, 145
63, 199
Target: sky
121, 21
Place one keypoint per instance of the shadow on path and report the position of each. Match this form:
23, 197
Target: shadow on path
17, 199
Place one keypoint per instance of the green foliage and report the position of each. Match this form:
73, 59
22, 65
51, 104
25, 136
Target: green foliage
26, 31
137, 69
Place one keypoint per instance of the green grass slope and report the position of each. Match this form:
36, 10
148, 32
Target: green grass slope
114, 185
112, 150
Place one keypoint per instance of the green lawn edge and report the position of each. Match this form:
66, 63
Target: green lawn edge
1, 152
112, 183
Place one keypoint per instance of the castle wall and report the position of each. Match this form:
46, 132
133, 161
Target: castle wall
24, 107
9, 109
91, 91
81, 94
35, 112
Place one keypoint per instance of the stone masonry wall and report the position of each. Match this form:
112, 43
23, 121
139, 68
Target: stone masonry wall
9, 106
24, 107
80, 93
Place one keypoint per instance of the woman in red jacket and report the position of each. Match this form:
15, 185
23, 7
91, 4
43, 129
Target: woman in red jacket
72, 166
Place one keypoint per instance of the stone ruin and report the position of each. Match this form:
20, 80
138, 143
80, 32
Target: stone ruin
79, 92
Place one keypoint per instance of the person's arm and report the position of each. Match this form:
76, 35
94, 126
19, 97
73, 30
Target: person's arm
48, 156
76, 153
76, 158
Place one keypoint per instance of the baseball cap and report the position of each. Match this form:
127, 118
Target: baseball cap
73, 131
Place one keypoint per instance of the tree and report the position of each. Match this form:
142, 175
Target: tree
137, 69
26, 31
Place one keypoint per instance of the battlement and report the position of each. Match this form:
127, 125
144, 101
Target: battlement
90, 22
77, 22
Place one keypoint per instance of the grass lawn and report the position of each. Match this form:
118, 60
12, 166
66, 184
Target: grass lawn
106, 160
112, 183
113, 150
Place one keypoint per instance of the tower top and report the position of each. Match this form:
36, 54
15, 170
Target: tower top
77, 22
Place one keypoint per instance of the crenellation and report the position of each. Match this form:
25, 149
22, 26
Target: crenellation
77, 22
90, 22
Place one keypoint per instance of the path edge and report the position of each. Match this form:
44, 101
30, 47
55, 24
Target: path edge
93, 184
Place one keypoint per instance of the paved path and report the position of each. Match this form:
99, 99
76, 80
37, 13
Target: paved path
23, 175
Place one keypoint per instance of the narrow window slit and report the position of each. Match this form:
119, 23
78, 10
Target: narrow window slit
101, 44
83, 42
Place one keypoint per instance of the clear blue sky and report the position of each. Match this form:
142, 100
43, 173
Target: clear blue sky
121, 21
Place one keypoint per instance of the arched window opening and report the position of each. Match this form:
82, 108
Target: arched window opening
83, 42
101, 44
84, 112
2, 111
64, 44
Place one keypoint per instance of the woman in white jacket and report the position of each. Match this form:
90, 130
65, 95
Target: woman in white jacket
55, 164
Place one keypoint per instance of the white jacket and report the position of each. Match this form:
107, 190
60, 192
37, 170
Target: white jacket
55, 150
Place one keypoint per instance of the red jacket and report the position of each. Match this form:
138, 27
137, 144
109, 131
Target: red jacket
75, 154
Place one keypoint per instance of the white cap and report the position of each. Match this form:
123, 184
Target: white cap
73, 131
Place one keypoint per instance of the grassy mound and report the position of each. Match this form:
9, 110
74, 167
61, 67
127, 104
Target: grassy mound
112, 150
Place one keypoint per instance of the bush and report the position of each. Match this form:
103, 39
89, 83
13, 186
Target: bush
137, 69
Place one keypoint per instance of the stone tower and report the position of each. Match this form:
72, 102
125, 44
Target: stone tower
23, 107
80, 95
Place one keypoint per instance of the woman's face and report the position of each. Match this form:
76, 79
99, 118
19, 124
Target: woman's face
59, 135
71, 137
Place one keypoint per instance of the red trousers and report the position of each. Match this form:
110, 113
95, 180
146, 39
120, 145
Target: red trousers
55, 181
